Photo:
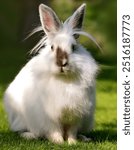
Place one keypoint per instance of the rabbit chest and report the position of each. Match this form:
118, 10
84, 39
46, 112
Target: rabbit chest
67, 102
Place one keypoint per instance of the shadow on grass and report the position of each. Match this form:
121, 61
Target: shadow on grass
107, 133
13, 139
104, 135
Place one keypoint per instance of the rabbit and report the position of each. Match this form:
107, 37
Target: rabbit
53, 96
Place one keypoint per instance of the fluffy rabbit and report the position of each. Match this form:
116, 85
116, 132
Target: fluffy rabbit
53, 96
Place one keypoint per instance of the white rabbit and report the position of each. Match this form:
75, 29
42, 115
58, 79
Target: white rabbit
53, 95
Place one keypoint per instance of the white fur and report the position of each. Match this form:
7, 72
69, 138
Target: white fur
36, 98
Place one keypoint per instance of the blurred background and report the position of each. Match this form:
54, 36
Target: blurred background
19, 17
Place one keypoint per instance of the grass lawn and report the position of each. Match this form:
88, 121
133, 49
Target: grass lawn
104, 133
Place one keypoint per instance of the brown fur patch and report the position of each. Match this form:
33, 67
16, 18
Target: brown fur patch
60, 55
65, 131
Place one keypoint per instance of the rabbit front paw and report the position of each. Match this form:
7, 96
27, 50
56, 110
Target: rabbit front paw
71, 140
56, 138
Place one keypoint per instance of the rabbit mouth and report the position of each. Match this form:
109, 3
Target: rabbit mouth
67, 75
62, 70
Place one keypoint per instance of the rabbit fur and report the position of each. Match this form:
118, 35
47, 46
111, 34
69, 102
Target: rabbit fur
53, 96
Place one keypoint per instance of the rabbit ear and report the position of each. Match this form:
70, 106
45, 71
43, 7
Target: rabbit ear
49, 19
76, 20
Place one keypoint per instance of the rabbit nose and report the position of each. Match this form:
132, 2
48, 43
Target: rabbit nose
64, 62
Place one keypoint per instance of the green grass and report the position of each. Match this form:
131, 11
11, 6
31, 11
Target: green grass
104, 133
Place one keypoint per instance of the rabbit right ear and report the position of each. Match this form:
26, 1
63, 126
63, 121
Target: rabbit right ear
76, 20
49, 19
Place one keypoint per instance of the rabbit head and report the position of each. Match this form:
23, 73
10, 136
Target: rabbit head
62, 50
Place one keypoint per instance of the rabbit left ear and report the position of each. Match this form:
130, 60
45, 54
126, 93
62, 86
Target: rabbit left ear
76, 20
49, 19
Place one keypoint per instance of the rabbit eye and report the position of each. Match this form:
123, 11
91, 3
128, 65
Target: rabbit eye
52, 47
73, 47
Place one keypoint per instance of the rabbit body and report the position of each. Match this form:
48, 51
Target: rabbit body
45, 102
